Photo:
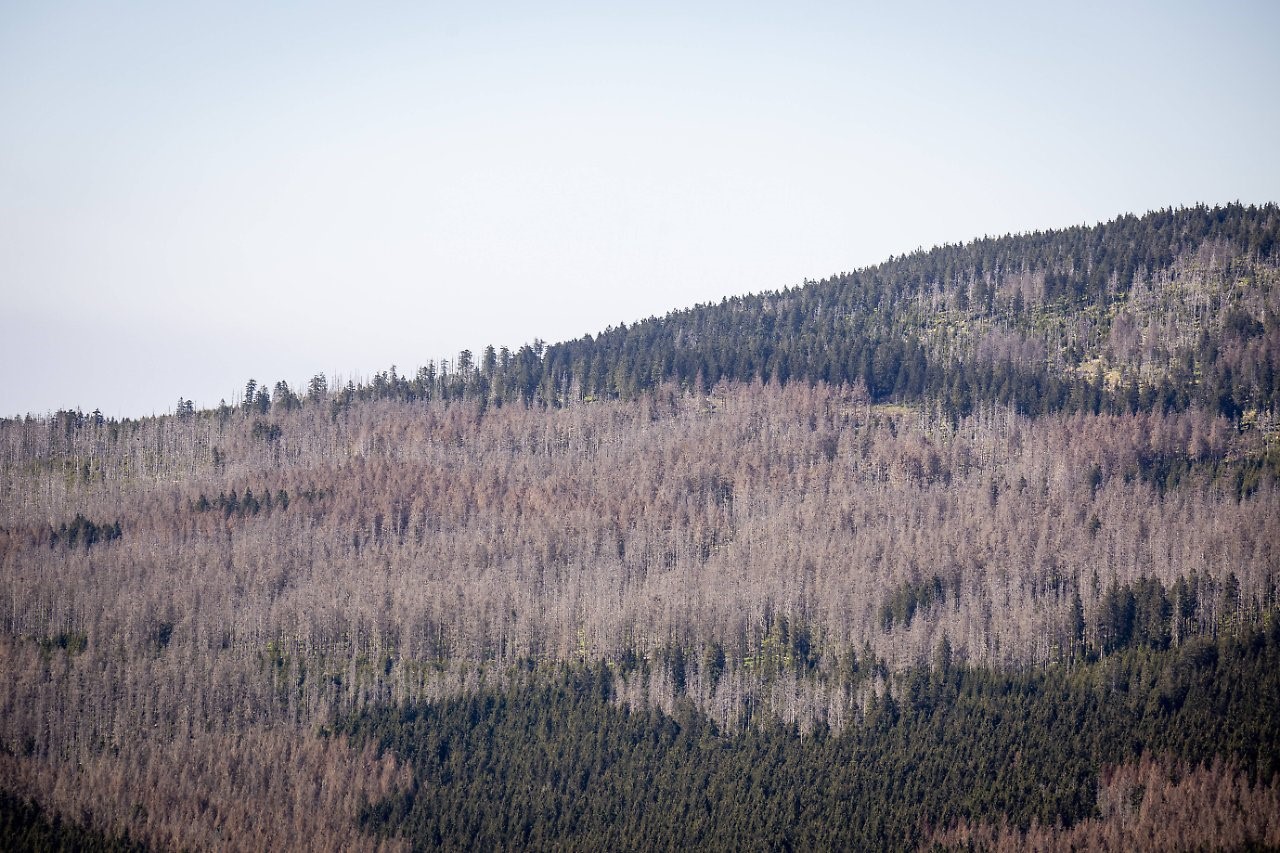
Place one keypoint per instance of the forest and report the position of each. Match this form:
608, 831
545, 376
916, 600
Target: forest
978, 548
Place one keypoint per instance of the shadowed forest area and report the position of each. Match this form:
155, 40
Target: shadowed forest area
974, 548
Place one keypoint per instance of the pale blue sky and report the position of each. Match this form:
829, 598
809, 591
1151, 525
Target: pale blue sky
190, 197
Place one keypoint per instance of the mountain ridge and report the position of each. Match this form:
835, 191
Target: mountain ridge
1174, 308
1163, 311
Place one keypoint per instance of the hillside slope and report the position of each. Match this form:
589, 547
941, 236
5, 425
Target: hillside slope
1040, 500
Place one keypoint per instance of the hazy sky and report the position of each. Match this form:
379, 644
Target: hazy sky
190, 197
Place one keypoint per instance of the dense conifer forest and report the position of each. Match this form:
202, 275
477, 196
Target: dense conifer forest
1164, 312
976, 548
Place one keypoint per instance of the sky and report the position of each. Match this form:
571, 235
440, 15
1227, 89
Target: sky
192, 195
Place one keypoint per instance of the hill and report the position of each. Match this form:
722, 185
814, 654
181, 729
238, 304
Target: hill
1007, 507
